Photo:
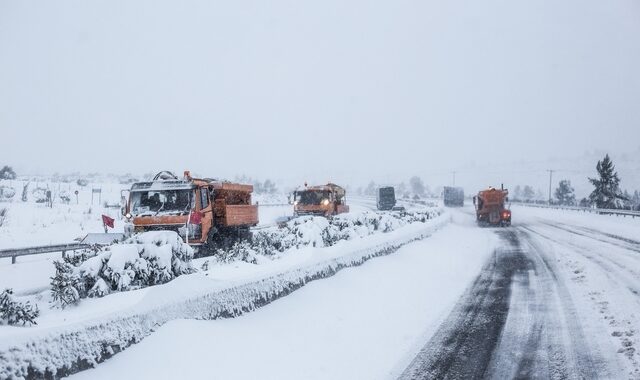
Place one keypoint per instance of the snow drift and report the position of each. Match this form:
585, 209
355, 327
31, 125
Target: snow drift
316, 231
149, 258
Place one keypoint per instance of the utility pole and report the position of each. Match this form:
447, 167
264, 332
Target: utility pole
550, 177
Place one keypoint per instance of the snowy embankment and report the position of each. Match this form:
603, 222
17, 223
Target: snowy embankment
363, 323
79, 337
625, 226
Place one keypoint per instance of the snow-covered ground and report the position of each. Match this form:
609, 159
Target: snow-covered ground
580, 302
229, 288
31, 224
562, 279
599, 261
359, 324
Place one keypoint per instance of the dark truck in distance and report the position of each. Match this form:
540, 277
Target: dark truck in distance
386, 198
453, 196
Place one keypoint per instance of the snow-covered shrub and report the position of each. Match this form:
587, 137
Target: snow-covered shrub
64, 196
39, 194
319, 232
146, 259
65, 286
76, 257
13, 312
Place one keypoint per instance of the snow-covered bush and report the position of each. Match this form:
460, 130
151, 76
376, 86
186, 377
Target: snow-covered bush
13, 312
64, 196
146, 259
319, 232
65, 286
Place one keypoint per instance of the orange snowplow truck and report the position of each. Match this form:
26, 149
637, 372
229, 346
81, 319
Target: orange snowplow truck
490, 207
204, 212
325, 200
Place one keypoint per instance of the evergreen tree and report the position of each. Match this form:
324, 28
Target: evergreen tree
606, 193
584, 202
627, 202
269, 187
565, 193
528, 193
371, 189
13, 312
7, 173
517, 193
417, 186
401, 190
64, 285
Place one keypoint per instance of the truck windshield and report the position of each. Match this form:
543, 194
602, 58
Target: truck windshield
311, 197
387, 192
145, 203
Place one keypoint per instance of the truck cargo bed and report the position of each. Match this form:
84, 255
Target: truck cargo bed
236, 215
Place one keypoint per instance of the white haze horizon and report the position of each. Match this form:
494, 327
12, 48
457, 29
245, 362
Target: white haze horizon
497, 91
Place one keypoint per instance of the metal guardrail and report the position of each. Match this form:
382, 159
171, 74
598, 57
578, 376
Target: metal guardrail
15, 252
601, 211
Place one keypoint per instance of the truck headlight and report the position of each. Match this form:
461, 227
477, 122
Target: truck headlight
325, 202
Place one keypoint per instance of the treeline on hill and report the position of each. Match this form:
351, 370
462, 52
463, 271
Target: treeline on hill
414, 188
606, 193
259, 187
7, 172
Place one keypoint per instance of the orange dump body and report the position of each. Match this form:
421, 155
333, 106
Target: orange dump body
490, 207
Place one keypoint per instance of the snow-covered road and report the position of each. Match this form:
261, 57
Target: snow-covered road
554, 296
558, 299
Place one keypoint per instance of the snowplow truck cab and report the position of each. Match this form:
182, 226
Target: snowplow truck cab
490, 207
325, 200
202, 211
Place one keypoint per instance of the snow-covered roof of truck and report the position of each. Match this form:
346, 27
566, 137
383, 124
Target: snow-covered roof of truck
328, 187
163, 185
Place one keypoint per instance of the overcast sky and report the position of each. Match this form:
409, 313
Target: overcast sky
318, 90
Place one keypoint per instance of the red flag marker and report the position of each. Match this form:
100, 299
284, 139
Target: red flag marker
107, 221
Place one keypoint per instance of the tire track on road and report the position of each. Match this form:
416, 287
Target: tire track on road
614, 270
517, 320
